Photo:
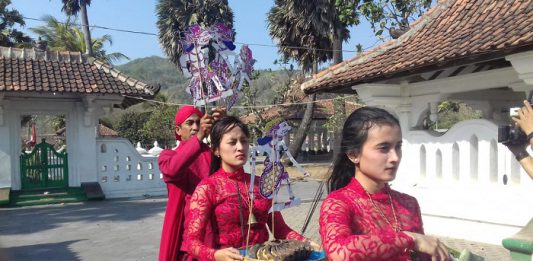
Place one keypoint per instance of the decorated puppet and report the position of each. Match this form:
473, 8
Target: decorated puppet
222, 43
274, 172
243, 72
205, 85
221, 77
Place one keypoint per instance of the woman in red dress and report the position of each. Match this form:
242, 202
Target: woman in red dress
363, 218
223, 199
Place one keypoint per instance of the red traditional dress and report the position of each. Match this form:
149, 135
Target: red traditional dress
182, 171
218, 197
356, 225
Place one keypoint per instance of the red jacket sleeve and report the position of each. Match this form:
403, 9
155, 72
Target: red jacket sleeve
172, 163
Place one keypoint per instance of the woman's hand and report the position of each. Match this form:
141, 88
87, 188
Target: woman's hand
228, 254
429, 245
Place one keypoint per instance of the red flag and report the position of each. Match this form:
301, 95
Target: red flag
33, 138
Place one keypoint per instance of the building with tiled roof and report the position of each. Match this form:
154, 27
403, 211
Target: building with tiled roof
476, 52
69, 84
66, 73
454, 34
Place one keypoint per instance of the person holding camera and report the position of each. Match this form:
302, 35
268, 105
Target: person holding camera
524, 120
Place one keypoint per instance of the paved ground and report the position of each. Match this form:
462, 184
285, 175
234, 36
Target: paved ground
130, 230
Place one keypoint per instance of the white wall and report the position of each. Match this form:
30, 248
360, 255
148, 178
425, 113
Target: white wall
123, 172
468, 199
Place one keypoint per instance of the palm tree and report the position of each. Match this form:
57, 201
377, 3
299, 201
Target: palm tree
315, 29
66, 36
175, 16
72, 8
8, 35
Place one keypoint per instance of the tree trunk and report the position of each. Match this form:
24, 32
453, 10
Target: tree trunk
337, 46
296, 146
337, 58
85, 28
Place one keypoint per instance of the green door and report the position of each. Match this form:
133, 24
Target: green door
44, 167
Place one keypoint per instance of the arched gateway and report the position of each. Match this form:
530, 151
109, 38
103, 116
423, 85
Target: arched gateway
78, 88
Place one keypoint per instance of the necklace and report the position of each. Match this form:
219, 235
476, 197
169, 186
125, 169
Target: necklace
396, 227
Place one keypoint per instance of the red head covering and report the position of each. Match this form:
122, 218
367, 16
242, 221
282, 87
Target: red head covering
183, 113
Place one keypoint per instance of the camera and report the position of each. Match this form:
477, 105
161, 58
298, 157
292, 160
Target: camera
511, 134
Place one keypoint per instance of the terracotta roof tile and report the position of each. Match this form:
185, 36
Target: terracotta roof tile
29, 70
451, 32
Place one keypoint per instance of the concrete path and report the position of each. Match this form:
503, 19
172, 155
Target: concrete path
130, 229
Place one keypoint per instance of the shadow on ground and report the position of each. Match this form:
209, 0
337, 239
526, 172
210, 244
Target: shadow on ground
28, 220
49, 251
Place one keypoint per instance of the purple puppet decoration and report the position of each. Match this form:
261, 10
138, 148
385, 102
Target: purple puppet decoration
224, 75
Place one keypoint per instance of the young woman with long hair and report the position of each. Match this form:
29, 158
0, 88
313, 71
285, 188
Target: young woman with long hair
223, 198
363, 218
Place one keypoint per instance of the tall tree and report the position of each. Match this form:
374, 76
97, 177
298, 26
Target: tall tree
66, 36
307, 32
175, 16
395, 16
75, 7
9, 36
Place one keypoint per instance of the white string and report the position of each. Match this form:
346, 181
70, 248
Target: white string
250, 44
244, 107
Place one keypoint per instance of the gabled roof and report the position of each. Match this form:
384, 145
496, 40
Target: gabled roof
32, 70
454, 32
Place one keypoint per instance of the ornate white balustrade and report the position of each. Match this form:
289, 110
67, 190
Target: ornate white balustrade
466, 180
123, 172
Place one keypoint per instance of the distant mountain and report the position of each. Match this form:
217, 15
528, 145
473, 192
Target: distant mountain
158, 70
154, 69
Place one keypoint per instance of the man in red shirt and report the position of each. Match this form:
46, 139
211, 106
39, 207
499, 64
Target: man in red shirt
182, 169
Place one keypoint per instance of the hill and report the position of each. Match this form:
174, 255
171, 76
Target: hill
158, 70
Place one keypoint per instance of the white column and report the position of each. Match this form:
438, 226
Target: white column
311, 137
523, 65
6, 153
83, 155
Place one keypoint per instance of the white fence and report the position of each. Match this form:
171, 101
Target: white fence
458, 179
123, 172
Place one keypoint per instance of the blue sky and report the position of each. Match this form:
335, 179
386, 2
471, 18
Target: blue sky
140, 15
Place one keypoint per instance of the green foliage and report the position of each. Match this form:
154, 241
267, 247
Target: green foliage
382, 14
265, 87
73, 7
268, 87
175, 17
130, 126
336, 121
158, 70
451, 113
67, 36
160, 126
58, 122
8, 19
308, 24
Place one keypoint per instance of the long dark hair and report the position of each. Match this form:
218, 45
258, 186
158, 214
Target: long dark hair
354, 135
218, 130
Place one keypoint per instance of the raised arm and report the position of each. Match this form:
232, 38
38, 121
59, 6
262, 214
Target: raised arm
341, 243
172, 163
